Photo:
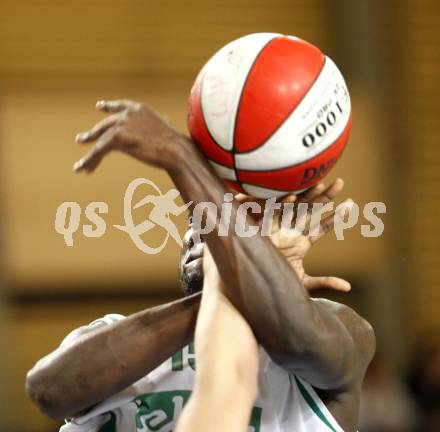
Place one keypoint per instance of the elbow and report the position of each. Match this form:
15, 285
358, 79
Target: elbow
45, 393
288, 355
298, 348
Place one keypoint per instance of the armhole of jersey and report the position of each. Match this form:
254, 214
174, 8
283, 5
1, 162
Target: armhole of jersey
316, 405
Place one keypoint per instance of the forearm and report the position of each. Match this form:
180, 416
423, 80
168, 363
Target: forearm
226, 349
102, 363
226, 378
227, 363
209, 413
257, 278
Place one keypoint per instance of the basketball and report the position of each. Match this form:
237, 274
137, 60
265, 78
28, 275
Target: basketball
271, 113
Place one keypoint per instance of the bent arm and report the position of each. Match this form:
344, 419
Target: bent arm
298, 333
100, 363
227, 363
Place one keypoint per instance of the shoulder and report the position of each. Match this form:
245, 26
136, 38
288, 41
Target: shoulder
360, 330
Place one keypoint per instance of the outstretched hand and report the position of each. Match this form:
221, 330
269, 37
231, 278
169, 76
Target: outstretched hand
295, 243
132, 128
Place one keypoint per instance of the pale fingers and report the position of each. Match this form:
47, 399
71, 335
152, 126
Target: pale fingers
329, 194
312, 283
312, 193
327, 224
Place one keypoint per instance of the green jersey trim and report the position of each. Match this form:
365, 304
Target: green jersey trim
313, 405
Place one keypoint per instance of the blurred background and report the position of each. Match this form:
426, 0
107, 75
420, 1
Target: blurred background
59, 57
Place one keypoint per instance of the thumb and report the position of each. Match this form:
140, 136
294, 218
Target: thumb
312, 283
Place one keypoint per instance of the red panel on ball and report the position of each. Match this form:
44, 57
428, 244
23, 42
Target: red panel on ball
300, 176
200, 133
281, 76
234, 185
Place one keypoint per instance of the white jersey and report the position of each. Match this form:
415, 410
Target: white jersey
285, 402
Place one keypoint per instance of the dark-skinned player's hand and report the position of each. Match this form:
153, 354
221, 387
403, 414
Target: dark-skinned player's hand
294, 244
132, 128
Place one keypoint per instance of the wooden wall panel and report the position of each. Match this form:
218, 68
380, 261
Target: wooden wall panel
418, 90
38, 125
136, 36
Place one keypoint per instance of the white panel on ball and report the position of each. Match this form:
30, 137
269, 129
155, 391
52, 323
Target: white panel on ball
223, 78
261, 192
224, 172
313, 126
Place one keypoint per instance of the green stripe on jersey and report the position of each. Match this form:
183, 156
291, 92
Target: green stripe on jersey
312, 404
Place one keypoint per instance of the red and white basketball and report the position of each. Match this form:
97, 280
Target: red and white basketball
272, 114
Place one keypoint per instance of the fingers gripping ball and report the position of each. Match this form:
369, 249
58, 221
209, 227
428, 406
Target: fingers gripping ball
272, 114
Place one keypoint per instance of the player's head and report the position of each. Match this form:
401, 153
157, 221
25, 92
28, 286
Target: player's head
191, 264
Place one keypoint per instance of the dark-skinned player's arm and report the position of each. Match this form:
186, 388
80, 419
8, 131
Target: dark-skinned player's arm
305, 336
227, 358
94, 364
53, 382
